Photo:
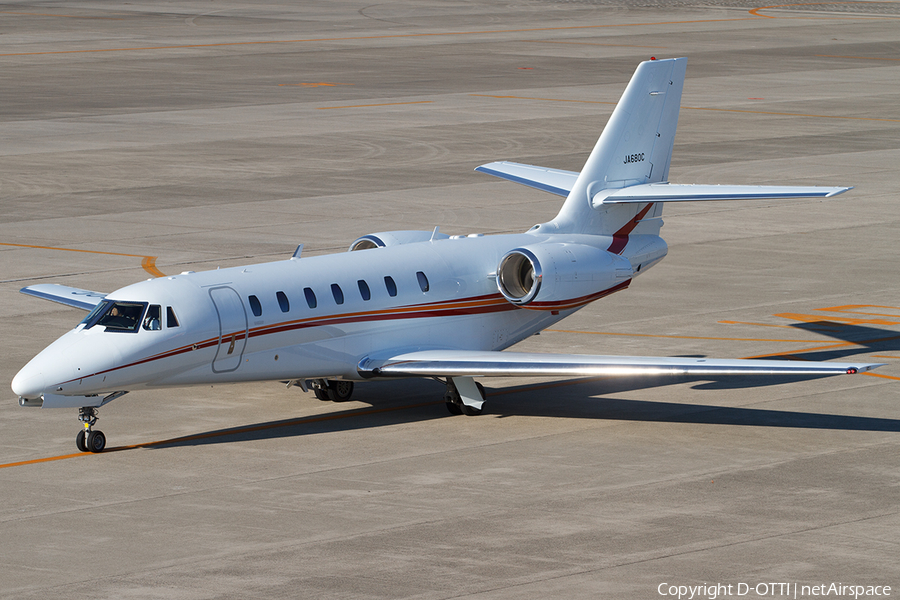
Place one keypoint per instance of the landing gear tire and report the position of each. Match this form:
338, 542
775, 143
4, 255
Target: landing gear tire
79, 441
321, 394
96, 441
452, 400
87, 439
470, 411
339, 391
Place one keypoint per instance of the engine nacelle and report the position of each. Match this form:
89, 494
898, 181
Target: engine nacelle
560, 275
394, 238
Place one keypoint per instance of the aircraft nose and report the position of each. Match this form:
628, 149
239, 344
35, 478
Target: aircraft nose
29, 382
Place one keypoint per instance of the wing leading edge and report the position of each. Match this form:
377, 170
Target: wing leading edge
63, 294
559, 182
460, 363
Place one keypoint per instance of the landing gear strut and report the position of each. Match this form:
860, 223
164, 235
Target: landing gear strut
87, 439
456, 405
332, 389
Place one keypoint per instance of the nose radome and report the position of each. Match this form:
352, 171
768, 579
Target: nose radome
29, 382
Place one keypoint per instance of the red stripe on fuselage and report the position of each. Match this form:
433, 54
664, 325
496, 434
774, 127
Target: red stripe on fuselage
620, 238
475, 305
576, 302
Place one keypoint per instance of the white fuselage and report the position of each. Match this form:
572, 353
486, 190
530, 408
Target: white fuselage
219, 338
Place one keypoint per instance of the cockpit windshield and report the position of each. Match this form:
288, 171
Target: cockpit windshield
116, 316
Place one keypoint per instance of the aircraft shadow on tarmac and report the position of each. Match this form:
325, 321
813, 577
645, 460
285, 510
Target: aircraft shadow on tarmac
575, 398
864, 340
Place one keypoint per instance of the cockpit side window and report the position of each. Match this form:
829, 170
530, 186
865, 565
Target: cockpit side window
171, 319
123, 316
152, 321
94, 316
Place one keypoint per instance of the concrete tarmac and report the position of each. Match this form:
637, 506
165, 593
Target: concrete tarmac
139, 139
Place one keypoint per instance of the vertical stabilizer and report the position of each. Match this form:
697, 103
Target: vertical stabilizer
634, 148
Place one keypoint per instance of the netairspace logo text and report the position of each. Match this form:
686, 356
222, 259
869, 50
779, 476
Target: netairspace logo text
771, 590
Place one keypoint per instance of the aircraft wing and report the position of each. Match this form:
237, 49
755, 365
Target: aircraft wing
559, 182
555, 181
462, 363
669, 192
70, 296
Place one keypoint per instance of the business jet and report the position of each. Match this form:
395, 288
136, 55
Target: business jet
409, 303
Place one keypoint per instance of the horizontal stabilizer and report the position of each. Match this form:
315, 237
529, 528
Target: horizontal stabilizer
451, 363
555, 181
668, 192
70, 296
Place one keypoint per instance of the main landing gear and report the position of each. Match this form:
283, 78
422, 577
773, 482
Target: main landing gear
89, 440
463, 401
335, 390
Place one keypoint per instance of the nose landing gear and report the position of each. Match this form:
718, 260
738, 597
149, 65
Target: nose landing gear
87, 439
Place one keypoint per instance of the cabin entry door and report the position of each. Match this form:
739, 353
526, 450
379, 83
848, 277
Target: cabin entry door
232, 329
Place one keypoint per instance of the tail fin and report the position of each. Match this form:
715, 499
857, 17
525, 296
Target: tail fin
634, 148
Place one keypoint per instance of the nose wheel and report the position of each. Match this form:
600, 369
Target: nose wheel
89, 440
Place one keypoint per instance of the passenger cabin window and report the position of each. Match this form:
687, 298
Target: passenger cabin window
310, 297
255, 306
152, 320
390, 285
117, 316
364, 290
283, 301
423, 281
337, 293
171, 319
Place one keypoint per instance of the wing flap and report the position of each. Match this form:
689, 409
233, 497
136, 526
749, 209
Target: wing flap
668, 192
555, 181
451, 363
63, 294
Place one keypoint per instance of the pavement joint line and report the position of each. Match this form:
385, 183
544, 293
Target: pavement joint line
755, 11
379, 37
148, 263
856, 57
731, 110
5, 12
231, 431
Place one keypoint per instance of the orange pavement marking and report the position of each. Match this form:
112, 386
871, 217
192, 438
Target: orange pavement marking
319, 84
227, 432
148, 262
43, 460
870, 374
685, 337
368, 105
544, 99
756, 324
839, 321
850, 308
